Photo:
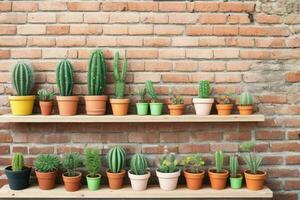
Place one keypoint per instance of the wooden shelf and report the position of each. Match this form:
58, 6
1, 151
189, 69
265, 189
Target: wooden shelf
8, 118
128, 193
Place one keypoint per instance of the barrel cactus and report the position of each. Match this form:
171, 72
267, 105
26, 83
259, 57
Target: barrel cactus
204, 89
120, 77
64, 78
219, 159
22, 78
17, 162
246, 99
116, 159
96, 78
138, 164
150, 90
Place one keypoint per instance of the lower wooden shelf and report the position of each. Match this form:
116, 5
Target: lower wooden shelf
127, 193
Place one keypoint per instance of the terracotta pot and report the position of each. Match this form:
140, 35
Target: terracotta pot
203, 106
119, 106
218, 180
194, 180
46, 107
139, 182
67, 105
255, 181
46, 179
115, 180
168, 181
176, 109
72, 184
224, 109
95, 105
245, 110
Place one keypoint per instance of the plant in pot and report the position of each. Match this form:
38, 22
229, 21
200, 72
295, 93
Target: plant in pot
225, 104
17, 174
139, 173
235, 178
95, 102
193, 171
22, 81
218, 176
67, 104
245, 103
203, 103
45, 101
177, 105
168, 172
116, 163
255, 178
46, 166
92, 162
142, 106
119, 104
155, 106
71, 177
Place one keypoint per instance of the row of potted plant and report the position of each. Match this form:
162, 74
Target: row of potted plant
169, 169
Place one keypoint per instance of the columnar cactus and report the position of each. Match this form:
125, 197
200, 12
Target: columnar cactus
17, 162
96, 73
116, 159
233, 165
246, 99
138, 164
22, 78
64, 78
204, 89
219, 159
150, 90
120, 77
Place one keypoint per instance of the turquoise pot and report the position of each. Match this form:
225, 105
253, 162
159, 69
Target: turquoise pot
156, 108
93, 182
142, 108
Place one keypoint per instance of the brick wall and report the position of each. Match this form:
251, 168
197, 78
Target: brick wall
236, 45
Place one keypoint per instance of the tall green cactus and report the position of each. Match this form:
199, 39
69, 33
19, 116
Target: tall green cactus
116, 159
233, 165
150, 90
17, 162
138, 164
246, 99
219, 159
22, 78
120, 77
64, 78
96, 78
204, 89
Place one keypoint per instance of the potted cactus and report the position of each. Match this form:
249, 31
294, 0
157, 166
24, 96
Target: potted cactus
155, 106
17, 174
92, 163
95, 102
119, 104
139, 173
22, 81
46, 166
45, 101
168, 172
245, 103
192, 171
218, 176
235, 178
177, 105
71, 177
225, 104
67, 104
116, 163
142, 106
203, 103
255, 178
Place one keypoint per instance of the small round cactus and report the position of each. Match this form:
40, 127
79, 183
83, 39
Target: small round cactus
246, 99
138, 164
116, 159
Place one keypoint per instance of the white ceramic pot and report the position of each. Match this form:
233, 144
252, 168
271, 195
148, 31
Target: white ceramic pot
203, 106
139, 182
168, 181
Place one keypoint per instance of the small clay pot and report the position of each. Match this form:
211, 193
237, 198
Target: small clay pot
203, 106
255, 181
115, 180
139, 182
168, 181
46, 180
72, 184
67, 105
95, 105
224, 109
176, 109
46, 107
245, 110
194, 180
119, 106
218, 180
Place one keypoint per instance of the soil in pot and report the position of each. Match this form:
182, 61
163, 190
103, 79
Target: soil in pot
255, 181
21, 105
93, 182
194, 180
156, 108
245, 110
218, 180
95, 105
176, 109
203, 106
142, 108
46, 107
115, 180
224, 109
72, 184
18, 180
168, 181
67, 105
236, 183
119, 106
46, 180
139, 182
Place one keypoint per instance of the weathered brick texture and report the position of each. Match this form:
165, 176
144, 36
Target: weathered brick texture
252, 45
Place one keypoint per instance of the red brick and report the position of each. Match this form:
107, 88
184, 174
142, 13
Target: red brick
31, 29
85, 29
196, 77
171, 53
199, 53
145, 137
4, 54
124, 18
4, 149
172, 6
268, 19
52, 6
279, 147
292, 77
236, 7
292, 185
238, 136
142, 6
206, 6
5, 6
8, 29
224, 147
157, 41
199, 30
142, 76
293, 135
168, 30
273, 98
228, 77
269, 135
83, 6
138, 53
213, 18
154, 18
113, 6
26, 53
69, 17
263, 31
226, 53
182, 18
20, 149
175, 78
101, 41
41, 150
129, 41
41, 41
41, 18
70, 41
140, 30
158, 149
207, 136
293, 160
158, 66
292, 18
57, 29
68, 149
225, 30
186, 66
25, 6
254, 54
193, 148
269, 42
208, 66
185, 42
115, 30
174, 137
95, 17
13, 18
238, 19
59, 53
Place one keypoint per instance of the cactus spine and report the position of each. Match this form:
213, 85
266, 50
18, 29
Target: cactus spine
150, 90
116, 159
219, 159
64, 78
120, 77
17, 162
22, 78
233, 165
204, 89
246, 99
96, 73
138, 164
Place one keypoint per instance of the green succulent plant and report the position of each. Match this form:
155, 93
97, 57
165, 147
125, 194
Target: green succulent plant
233, 165
44, 95
246, 99
120, 77
141, 94
92, 161
116, 159
219, 161
204, 89
64, 78
252, 160
22, 78
17, 163
193, 163
71, 161
151, 91
138, 164
47, 163
168, 163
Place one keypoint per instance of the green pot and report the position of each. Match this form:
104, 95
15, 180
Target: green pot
142, 108
156, 108
93, 182
236, 183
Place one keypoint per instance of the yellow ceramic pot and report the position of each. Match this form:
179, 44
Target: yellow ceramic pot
21, 105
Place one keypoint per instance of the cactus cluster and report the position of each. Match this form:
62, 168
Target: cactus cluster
233, 165
246, 99
219, 161
17, 162
138, 164
150, 90
168, 163
204, 89
64, 78
71, 162
22, 78
116, 159
193, 163
96, 77
47, 163
120, 77
252, 160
